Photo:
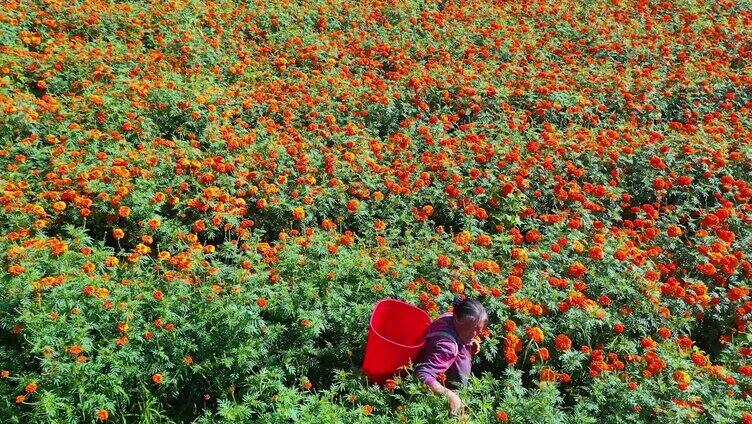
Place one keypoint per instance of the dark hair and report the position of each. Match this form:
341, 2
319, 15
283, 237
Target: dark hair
469, 308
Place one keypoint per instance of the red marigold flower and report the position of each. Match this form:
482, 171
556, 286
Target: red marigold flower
577, 269
664, 332
674, 231
158, 295
596, 253
562, 342
502, 416
543, 353
533, 236
648, 343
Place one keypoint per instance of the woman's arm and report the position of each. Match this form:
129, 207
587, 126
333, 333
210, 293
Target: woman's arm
440, 355
455, 403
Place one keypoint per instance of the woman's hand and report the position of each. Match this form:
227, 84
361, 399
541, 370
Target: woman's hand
475, 346
455, 403
456, 406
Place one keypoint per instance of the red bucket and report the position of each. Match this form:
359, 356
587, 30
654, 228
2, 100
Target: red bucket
395, 338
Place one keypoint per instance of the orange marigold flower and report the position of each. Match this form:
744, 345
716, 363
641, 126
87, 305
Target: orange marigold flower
674, 231
118, 233
30, 388
535, 334
298, 214
157, 378
124, 211
16, 269
548, 374
682, 379
103, 415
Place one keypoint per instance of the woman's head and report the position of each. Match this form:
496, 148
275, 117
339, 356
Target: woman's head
470, 318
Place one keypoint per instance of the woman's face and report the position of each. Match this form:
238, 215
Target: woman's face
469, 328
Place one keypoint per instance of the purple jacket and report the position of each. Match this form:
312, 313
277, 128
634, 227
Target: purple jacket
443, 353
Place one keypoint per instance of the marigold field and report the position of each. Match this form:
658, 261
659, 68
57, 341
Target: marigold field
202, 202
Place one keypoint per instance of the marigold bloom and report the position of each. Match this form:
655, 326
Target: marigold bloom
577, 269
563, 342
682, 379
298, 214
103, 415
30, 388
535, 334
124, 212
547, 374
157, 378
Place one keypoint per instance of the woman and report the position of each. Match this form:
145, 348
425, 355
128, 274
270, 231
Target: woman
451, 339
